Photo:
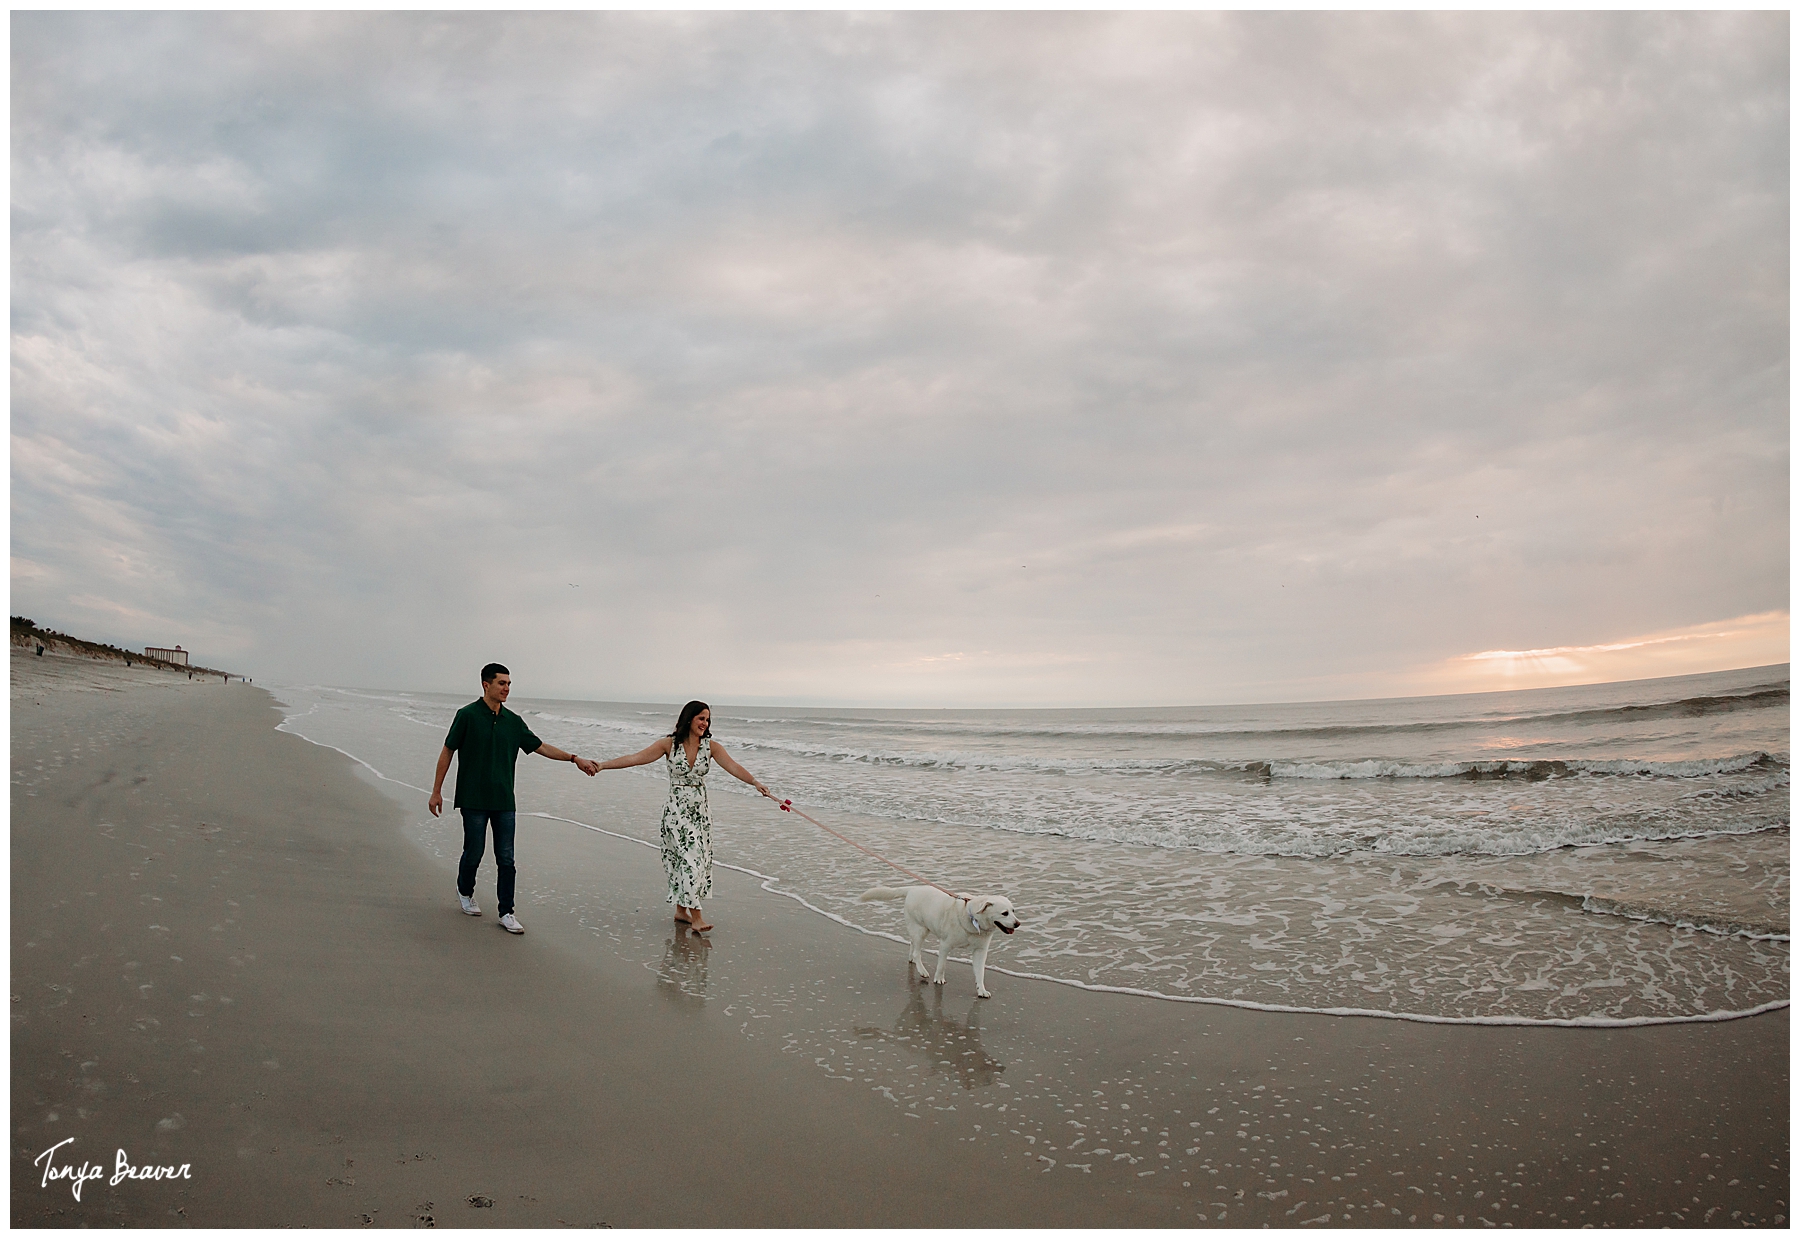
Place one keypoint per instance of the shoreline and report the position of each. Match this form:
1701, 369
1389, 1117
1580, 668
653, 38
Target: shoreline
301, 1013
1188, 887
647, 813
1485, 1021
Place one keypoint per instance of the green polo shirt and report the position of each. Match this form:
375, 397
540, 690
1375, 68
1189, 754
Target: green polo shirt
487, 745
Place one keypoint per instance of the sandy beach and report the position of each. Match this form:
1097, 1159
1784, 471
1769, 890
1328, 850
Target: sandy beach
233, 951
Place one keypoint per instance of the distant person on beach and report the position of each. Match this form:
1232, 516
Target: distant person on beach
489, 738
686, 820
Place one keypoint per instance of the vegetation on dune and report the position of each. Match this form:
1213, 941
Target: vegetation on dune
27, 633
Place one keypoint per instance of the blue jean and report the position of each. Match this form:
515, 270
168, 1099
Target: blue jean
475, 828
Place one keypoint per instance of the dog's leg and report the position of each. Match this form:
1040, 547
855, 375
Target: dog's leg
979, 955
943, 958
916, 932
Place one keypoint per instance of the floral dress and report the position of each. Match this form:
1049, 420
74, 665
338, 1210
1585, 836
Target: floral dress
687, 827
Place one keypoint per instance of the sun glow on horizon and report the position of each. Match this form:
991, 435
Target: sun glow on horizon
1746, 641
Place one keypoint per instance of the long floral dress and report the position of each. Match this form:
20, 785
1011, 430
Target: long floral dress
687, 827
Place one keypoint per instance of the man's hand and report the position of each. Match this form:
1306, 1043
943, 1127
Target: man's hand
436, 803
587, 766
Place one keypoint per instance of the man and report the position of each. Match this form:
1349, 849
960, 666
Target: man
490, 738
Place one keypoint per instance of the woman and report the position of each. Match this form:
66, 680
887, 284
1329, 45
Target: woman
686, 822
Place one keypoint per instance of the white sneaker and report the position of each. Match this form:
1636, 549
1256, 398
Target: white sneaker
510, 924
469, 904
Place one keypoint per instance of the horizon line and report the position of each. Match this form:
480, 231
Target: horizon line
794, 704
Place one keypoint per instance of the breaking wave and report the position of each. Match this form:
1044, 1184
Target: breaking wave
1364, 768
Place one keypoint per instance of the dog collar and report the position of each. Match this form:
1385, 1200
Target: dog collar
969, 907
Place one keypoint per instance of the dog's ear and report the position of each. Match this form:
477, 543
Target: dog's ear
985, 905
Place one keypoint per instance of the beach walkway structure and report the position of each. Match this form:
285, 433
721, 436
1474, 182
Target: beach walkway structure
176, 655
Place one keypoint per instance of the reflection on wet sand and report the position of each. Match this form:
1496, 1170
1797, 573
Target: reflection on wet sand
948, 1045
682, 972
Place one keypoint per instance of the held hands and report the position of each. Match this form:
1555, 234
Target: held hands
587, 766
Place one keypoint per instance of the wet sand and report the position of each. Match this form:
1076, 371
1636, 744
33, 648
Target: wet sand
233, 950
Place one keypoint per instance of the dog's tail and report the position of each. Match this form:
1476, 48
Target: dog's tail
882, 892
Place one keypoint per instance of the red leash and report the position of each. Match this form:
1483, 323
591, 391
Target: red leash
787, 806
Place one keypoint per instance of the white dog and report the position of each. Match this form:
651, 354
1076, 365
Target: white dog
953, 921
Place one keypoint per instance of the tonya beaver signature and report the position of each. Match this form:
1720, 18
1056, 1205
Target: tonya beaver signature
78, 1173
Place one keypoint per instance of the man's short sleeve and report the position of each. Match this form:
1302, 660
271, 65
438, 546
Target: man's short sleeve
458, 727
528, 743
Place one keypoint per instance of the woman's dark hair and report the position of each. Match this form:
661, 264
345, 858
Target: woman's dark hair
685, 723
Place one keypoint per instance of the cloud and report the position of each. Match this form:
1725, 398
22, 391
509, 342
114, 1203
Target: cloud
1163, 357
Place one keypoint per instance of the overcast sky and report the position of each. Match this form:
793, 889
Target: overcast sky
951, 360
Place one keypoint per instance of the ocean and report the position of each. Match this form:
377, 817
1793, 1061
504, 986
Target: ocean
1599, 855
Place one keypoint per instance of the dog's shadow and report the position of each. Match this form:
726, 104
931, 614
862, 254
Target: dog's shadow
947, 1044
681, 974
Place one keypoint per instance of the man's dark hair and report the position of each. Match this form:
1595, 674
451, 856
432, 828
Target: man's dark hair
491, 670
